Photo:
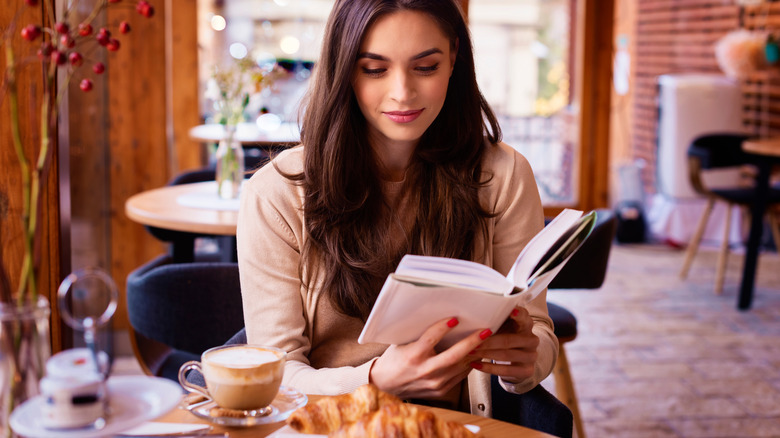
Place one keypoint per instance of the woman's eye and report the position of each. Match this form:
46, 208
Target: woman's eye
373, 71
428, 69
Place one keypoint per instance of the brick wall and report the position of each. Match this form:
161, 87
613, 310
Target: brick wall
678, 36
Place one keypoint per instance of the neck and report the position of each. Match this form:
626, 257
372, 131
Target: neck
394, 157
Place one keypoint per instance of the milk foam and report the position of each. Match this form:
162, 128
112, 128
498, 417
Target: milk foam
241, 357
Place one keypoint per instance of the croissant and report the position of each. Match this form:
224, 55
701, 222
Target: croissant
402, 421
330, 413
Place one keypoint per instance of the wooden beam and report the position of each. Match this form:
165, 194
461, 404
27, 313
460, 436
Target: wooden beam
138, 150
594, 73
183, 100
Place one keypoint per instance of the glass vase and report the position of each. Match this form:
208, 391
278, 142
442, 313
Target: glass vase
230, 166
24, 350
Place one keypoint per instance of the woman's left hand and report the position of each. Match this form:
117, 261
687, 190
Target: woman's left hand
515, 345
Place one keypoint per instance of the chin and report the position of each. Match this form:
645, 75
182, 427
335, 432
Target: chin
403, 135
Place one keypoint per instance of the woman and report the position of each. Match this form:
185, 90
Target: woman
401, 154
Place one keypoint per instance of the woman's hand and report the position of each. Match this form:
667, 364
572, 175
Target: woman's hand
416, 370
514, 345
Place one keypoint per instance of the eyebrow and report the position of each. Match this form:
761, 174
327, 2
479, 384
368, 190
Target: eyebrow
420, 55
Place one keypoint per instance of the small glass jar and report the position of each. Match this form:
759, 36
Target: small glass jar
74, 390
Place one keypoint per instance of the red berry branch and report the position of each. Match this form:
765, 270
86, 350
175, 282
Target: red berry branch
69, 39
64, 46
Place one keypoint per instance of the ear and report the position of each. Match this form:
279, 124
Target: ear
454, 55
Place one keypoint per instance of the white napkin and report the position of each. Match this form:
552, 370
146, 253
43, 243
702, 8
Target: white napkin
159, 428
288, 431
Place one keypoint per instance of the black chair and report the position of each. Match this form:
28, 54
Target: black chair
720, 151
179, 310
586, 269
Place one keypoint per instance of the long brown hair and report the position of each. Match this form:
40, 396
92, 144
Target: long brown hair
345, 211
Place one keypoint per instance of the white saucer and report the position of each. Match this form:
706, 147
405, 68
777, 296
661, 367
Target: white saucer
286, 401
132, 401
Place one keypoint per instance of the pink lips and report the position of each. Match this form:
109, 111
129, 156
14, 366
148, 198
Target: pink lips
403, 116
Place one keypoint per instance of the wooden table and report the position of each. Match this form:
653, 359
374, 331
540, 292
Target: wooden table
768, 150
489, 428
172, 208
248, 134
259, 145
168, 207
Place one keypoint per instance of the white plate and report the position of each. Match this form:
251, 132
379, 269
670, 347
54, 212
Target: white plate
132, 401
284, 404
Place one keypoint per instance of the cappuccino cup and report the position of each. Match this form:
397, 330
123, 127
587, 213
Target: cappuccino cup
242, 376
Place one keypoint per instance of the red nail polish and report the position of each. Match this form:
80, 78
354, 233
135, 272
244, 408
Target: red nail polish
476, 365
452, 323
484, 334
515, 312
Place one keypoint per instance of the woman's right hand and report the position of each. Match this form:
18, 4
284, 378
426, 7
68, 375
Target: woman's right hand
416, 370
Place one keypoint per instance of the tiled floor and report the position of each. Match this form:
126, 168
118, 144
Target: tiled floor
657, 356
660, 357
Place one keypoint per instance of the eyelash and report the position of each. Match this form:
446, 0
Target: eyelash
376, 72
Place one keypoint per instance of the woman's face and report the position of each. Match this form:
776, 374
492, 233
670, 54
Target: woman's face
401, 76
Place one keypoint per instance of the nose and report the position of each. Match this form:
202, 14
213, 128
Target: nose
402, 87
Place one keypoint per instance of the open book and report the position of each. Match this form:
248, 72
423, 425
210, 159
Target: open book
426, 289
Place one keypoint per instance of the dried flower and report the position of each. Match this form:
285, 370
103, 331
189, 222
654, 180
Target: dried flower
60, 51
230, 89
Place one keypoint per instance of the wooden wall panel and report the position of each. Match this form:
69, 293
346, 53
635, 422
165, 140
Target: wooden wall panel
181, 36
30, 98
153, 102
137, 140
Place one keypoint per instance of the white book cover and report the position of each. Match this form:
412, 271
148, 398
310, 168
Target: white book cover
426, 289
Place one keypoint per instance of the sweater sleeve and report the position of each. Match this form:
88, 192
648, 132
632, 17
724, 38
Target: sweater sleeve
276, 303
521, 217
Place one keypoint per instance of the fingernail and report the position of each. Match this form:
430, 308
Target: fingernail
452, 323
476, 365
515, 312
484, 334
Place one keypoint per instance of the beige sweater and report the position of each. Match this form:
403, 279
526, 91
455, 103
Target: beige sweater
323, 354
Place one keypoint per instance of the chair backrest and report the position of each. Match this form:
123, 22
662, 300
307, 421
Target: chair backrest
719, 150
193, 176
186, 306
714, 151
587, 268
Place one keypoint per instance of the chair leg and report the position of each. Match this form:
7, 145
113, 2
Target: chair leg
773, 225
564, 389
723, 256
693, 246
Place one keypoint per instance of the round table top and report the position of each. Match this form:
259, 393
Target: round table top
248, 133
489, 428
763, 146
194, 208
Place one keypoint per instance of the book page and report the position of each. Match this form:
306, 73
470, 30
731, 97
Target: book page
538, 246
447, 271
565, 246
